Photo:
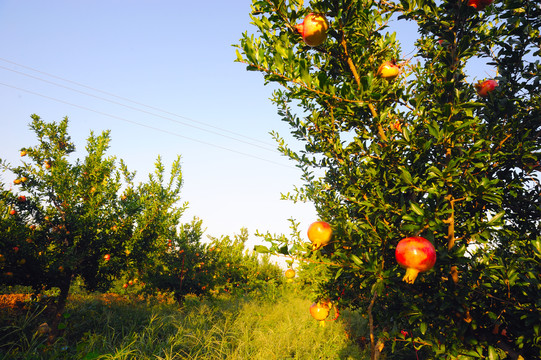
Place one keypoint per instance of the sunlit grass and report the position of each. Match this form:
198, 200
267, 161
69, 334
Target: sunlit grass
227, 327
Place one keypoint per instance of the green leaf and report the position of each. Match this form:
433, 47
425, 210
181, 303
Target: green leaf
283, 250
435, 170
423, 327
338, 273
279, 63
495, 219
472, 353
378, 287
406, 176
537, 245
239, 56
434, 130
417, 209
304, 69
261, 249
492, 354
406, 133
356, 260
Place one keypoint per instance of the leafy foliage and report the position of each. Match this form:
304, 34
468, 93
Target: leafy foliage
183, 265
81, 218
239, 270
420, 155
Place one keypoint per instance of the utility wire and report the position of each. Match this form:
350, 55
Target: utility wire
145, 125
136, 109
133, 102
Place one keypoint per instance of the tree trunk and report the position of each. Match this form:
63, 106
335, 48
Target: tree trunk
65, 284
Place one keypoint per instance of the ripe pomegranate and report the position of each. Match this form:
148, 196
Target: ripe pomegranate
416, 254
485, 87
320, 311
313, 29
388, 70
290, 273
480, 4
319, 233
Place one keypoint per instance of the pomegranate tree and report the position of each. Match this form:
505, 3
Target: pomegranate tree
416, 254
426, 155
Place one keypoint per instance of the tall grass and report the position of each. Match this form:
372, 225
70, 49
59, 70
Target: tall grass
227, 327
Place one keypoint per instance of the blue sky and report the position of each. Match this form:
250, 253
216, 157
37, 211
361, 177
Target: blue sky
113, 64
176, 56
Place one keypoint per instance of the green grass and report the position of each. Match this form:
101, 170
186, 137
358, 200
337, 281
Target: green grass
229, 327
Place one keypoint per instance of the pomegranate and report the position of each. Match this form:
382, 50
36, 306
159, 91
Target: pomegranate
320, 234
290, 273
320, 311
416, 254
485, 87
388, 70
480, 4
313, 29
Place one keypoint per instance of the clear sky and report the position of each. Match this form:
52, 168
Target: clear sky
175, 56
161, 76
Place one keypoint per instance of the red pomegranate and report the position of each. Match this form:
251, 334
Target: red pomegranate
313, 29
485, 87
416, 254
480, 4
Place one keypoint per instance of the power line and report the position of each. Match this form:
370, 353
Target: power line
134, 102
143, 125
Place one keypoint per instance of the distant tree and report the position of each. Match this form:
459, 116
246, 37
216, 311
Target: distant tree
237, 268
426, 153
182, 266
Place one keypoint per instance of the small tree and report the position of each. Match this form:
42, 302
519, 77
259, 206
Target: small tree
71, 218
183, 265
423, 154
238, 269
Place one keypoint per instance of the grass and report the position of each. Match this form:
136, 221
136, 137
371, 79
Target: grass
224, 327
